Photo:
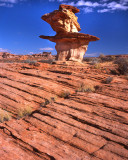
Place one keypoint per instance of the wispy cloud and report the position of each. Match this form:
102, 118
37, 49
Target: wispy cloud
103, 10
87, 3
87, 10
3, 50
31, 53
101, 6
117, 6
9, 3
46, 49
91, 54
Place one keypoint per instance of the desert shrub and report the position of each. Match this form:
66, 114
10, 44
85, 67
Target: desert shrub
4, 116
104, 58
112, 58
31, 62
102, 55
113, 71
88, 59
86, 87
94, 61
97, 66
24, 111
64, 94
49, 61
122, 65
26, 61
49, 101
108, 80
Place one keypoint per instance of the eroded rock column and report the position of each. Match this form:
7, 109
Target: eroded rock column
70, 44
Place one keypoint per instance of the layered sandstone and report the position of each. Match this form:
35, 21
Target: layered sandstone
70, 44
86, 126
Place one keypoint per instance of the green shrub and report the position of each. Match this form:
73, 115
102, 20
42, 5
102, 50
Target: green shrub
4, 116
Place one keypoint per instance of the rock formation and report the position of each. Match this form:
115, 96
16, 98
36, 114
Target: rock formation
6, 55
70, 44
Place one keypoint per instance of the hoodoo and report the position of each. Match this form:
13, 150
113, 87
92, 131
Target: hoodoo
70, 44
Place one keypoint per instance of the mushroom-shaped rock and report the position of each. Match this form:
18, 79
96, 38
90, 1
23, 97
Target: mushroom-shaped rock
70, 44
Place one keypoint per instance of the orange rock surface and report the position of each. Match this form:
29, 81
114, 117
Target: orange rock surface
87, 125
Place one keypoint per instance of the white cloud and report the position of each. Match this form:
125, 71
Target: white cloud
91, 54
117, 6
87, 3
103, 10
101, 6
3, 50
71, 3
87, 10
9, 1
46, 49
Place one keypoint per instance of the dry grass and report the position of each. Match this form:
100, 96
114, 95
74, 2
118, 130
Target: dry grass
49, 101
4, 116
86, 87
97, 66
106, 64
64, 94
22, 112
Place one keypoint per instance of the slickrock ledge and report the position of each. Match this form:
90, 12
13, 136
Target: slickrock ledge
70, 44
86, 126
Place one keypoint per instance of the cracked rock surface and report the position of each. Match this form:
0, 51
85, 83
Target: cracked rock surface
86, 126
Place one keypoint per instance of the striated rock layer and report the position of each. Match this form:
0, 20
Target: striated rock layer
86, 126
70, 44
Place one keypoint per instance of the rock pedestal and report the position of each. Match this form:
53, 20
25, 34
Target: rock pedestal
70, 44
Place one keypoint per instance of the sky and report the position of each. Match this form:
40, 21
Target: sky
21, 25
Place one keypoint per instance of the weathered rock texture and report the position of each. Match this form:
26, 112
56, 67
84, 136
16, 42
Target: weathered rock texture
70, 44
86, 126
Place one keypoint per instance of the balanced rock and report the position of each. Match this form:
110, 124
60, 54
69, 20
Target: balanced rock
70, 44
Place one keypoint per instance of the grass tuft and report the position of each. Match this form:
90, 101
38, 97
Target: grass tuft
49, 101
22, 112
4, 116
64, 94
97, 66
86, 87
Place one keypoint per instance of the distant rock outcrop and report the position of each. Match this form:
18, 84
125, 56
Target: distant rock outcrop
6, 55
70, 44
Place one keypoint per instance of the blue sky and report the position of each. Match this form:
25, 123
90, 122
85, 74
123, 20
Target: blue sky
21, 25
